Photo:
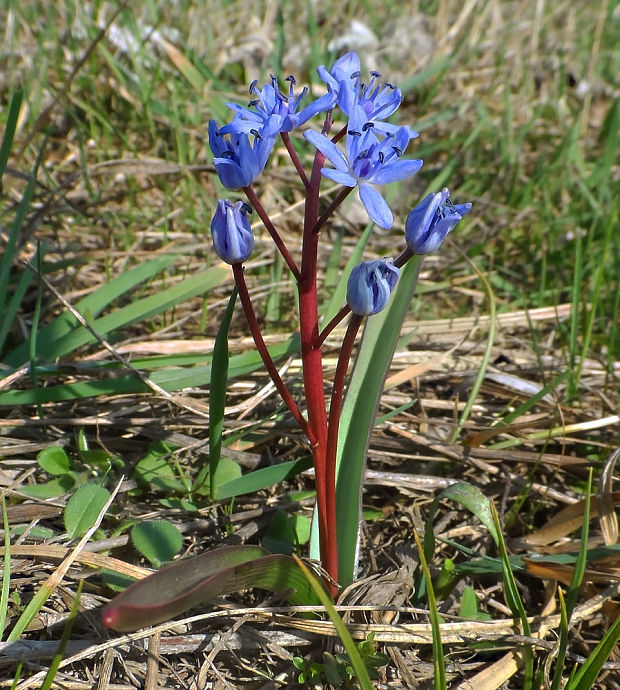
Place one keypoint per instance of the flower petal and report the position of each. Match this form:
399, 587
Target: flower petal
376, 206
340, 177
398, 170
328, 149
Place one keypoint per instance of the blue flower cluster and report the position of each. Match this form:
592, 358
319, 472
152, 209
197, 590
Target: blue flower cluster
372, 155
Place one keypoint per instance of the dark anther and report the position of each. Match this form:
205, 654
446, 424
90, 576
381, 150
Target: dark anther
390, 86
381, 157
292, 79
397, 151
253, 103
253, 86
356, 75
256, 133
354, 133
367, 125
227, 154
304, 92
375, 74
246, 207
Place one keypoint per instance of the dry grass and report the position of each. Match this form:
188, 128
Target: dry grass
123, 178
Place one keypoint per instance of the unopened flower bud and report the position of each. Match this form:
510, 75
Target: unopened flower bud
370, 286
431, 220
230, 228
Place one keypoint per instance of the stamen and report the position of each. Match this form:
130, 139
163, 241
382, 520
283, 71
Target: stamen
291, 78
354, 133
397, 151
256, 133
373, 73
253, 86
246, 207
253, 103
368, 125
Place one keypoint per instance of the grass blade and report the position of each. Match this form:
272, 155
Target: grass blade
345, 636
6, 569
514, 601
9, 130
48, 682
263, 478
217, 396
438, 660
585, 678
573, 589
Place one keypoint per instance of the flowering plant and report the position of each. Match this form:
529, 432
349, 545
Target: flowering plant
371, 155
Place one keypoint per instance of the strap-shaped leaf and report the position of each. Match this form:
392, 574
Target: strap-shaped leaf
187, 583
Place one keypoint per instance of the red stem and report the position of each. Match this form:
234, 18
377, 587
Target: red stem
313, 365
340, 197
332, 324
250, 315
295, 158
335, 410
264, 216
403, 257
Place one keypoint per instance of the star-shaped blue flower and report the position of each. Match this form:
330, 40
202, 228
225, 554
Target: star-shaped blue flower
369, 161
273, 111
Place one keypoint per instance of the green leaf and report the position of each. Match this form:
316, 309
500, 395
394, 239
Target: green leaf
285, 532
83, 508
359, 411
155, 469
585, 678
52, 489
469, 606
54, 460
92, 305
157, 540
227, 471
217, 395
189, 582
263, 478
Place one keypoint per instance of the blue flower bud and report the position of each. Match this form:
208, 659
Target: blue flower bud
370, 286
230, 228
431, 220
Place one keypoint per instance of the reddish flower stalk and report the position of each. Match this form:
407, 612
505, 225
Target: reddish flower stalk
295, 158
332, 324
340, 197
264, 216
250, 316
313, 369
335, 411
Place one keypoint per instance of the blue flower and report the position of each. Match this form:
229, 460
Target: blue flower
368, 161
370, 285
272, 111
230, 229
237, 161
344, 79
431, 220
341, 71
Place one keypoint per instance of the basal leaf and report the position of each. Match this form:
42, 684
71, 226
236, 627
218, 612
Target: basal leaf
189, 582
54, 460
157, 540
83, 508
